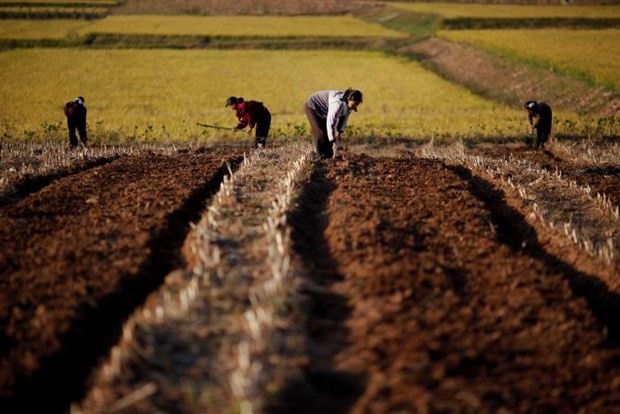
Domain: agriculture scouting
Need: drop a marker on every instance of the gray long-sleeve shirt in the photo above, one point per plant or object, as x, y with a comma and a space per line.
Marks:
329, 105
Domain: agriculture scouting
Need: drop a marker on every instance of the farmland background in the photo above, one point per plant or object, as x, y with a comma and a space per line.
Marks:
438, 263
138, 94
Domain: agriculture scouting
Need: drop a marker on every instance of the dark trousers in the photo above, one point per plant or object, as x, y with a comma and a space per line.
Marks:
322, 146
542, 134
262, 129
79, 124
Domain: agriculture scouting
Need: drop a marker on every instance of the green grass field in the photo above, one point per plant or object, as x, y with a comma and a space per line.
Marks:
159, 94
589, 54
456, 10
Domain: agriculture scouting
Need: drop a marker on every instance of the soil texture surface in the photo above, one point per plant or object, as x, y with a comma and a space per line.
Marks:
480, 279
439, 297
79, 255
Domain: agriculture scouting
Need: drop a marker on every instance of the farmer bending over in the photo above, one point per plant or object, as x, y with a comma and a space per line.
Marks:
251, 114
75, 111
328, 113
539, 117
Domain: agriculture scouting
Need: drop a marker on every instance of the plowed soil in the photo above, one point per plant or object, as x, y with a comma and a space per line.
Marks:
439, 297
78, 256
428, 290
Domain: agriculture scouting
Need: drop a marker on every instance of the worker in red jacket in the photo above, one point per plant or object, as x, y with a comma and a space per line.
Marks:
251, 114
75, 111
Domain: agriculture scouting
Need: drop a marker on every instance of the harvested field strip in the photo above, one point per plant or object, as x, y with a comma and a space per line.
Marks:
222, 330
78, 256
437, 305
567, 51
511, 82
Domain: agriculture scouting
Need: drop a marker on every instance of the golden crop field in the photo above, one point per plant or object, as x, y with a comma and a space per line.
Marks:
243, 26
159, 94
40, 29
593, 54
455, 10
254, 26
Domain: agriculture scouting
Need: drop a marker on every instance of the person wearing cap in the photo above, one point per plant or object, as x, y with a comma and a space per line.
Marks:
75, 111
328, 113
251, 114
539, 116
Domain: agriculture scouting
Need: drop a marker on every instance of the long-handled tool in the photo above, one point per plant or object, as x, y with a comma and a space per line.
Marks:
213, 126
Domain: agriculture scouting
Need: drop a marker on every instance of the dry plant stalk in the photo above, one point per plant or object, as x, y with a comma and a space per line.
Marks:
227, 270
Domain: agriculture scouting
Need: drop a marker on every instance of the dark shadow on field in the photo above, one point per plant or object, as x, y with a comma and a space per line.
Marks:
320, 388
513, 230
32, 184
63, 377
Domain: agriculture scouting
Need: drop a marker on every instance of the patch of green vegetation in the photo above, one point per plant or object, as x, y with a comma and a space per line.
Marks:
418, 25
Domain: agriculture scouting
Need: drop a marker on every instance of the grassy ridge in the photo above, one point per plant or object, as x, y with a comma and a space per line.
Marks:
590, 54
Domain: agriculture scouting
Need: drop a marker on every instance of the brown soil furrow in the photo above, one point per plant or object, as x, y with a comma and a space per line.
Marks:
217, 334
78, 256
434, 296
33, 183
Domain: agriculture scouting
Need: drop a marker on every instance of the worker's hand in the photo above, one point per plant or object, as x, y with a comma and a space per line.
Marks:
532, 131
335, 148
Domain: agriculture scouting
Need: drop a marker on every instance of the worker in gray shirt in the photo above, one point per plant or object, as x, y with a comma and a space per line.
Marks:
328, 113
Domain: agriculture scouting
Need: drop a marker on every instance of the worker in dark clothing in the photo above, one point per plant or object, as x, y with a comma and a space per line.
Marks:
252, 114
75, 111
539, 116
